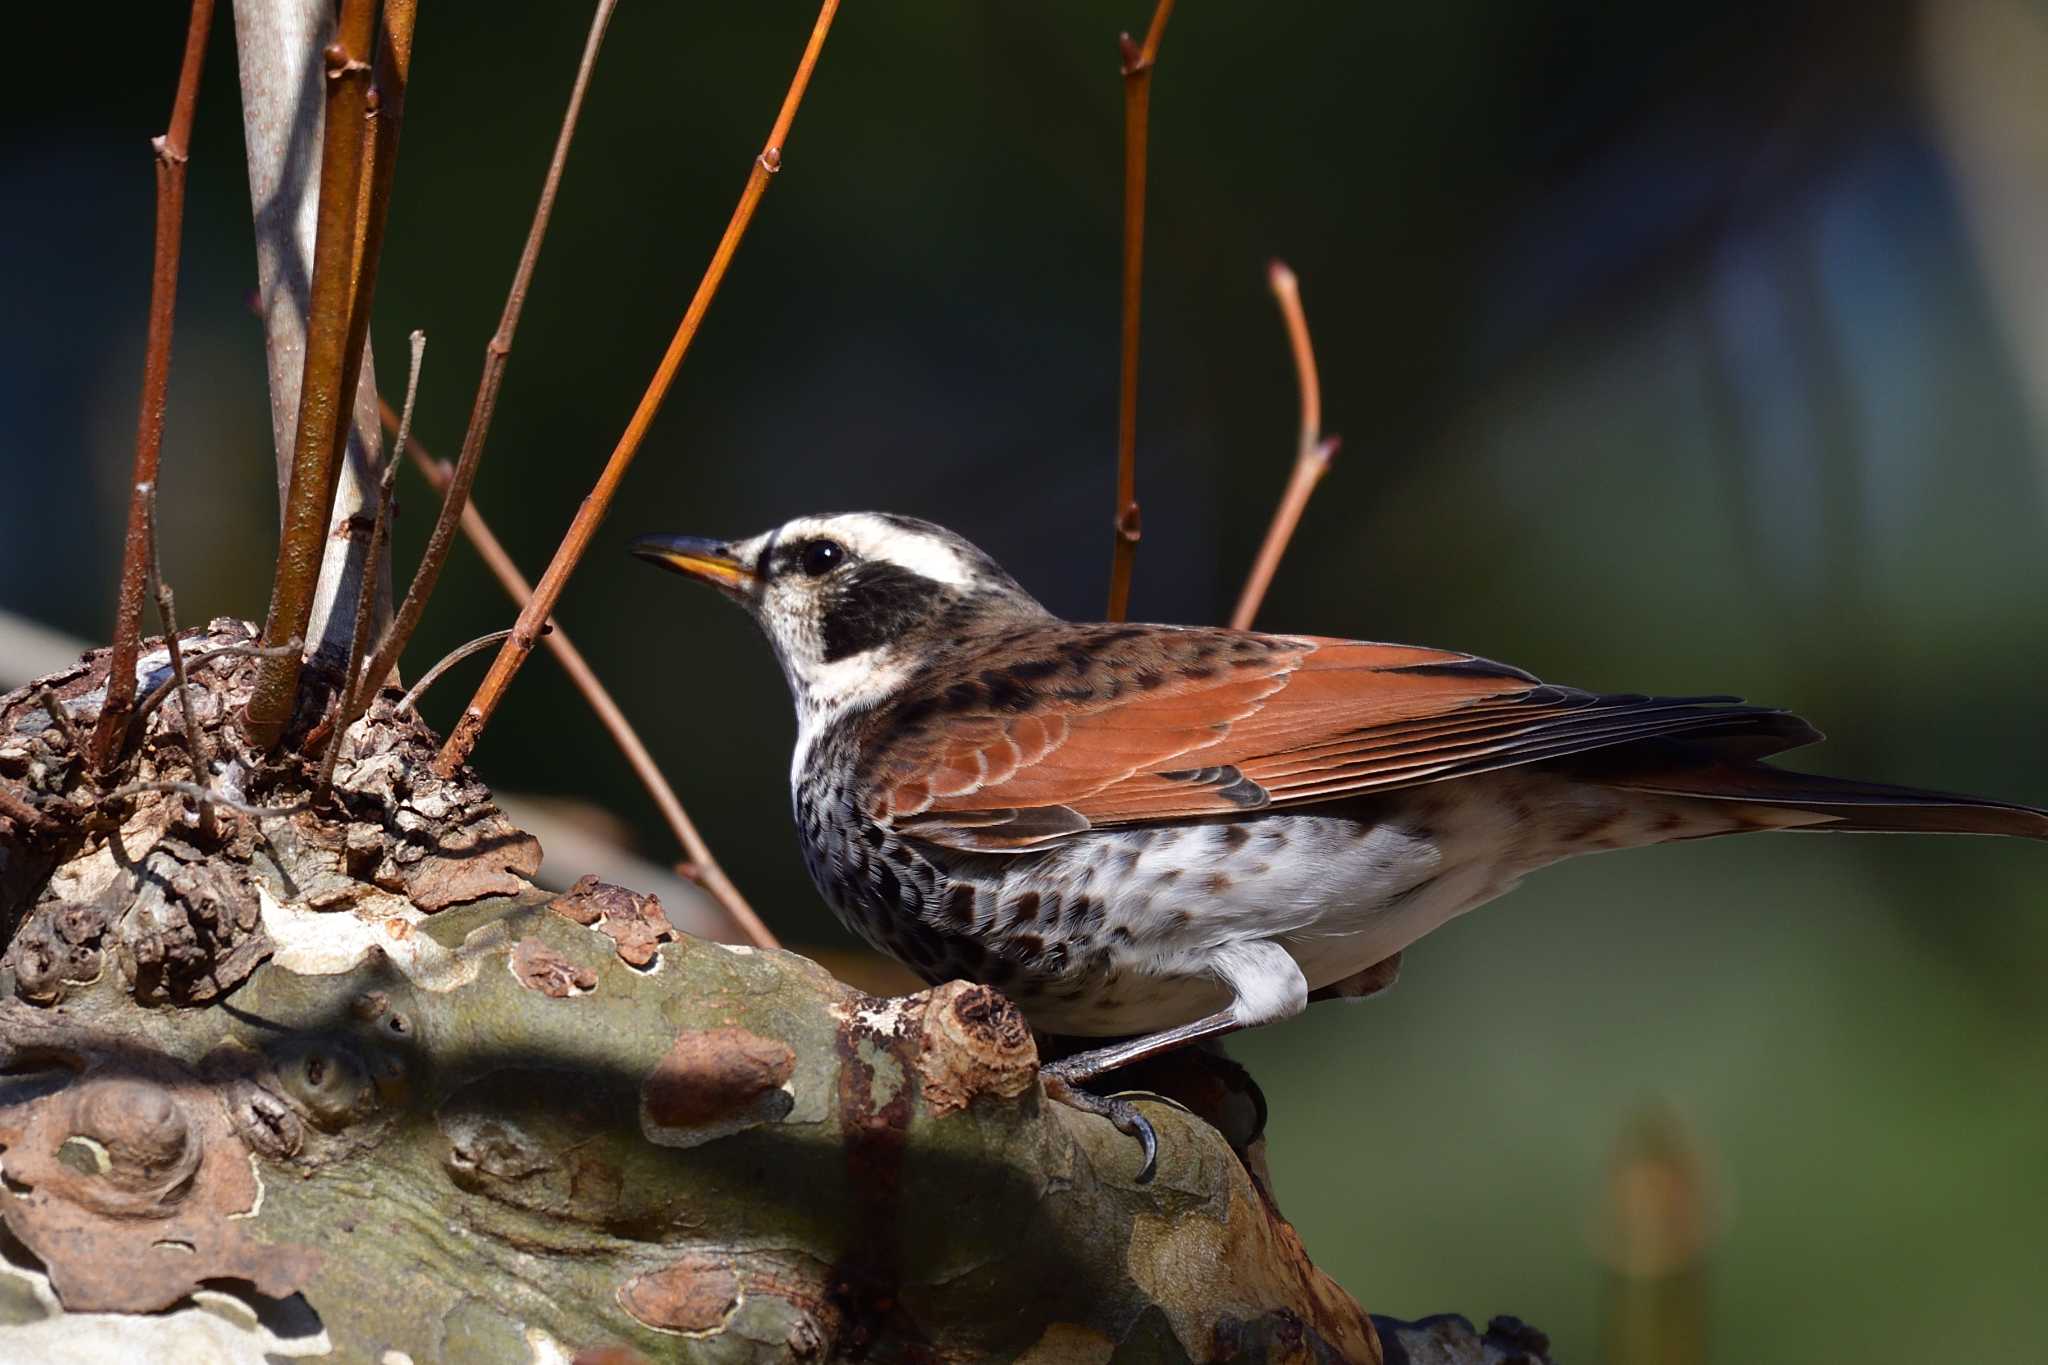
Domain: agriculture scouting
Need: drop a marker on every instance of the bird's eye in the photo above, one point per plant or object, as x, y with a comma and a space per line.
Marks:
822, 557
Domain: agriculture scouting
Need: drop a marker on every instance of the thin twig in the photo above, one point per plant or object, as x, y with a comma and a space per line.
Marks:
355, 687
1137, 65
167, 615
323, 404
492, 691
1312, 452
411, 700
170, 154
199, 661
18, 810
705, 869
207, 797
60, 716
496, 352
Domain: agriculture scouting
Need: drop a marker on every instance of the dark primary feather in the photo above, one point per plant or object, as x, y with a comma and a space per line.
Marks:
1856, 807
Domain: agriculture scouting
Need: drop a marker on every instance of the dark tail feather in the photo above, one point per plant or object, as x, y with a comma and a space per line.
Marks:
1856, 807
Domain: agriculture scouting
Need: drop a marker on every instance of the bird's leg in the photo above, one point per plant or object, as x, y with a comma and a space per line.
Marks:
1265, 984
1086, 1066
1063, 1078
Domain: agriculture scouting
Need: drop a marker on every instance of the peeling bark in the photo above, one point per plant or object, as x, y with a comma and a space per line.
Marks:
282, 1096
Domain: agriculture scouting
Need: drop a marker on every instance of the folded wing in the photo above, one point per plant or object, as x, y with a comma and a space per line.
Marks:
1061, 731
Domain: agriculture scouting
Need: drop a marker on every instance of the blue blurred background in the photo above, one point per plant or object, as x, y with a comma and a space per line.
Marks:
1675, 348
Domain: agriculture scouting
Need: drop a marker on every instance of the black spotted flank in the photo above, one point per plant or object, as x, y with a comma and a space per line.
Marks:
873, 603
1466, 668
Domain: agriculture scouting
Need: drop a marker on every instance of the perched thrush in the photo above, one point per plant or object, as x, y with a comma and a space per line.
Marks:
1164, 834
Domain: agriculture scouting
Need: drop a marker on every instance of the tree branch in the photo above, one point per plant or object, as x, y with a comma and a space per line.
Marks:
1137, 72
708, 873
1312, 452
323, 402
496, 352
520, 644
170, 150
278, 46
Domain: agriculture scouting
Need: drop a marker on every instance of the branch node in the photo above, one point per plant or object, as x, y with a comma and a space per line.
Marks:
770, 159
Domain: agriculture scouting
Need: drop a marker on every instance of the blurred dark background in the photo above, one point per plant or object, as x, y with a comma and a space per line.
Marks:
1675, 348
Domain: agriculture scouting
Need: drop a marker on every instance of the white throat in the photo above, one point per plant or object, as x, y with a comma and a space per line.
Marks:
830, 691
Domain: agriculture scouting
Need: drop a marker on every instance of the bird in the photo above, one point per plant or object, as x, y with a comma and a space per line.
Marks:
1160, 834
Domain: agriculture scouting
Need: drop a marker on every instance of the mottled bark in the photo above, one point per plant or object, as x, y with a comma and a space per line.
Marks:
345, 1082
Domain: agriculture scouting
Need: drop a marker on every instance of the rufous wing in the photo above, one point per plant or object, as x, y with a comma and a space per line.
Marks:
1086, 727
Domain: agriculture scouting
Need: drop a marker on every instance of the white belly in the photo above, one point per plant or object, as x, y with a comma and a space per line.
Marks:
1338, 888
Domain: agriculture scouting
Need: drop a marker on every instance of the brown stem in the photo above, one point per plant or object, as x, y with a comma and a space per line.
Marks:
1137, 66
167, 615
323, 402
170, 153
1312, 450
355, 690
60, 716
383, 119
520, 644
704, 868
496, 351
411, 700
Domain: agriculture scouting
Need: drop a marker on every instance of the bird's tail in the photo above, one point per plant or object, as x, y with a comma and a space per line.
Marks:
1758, 796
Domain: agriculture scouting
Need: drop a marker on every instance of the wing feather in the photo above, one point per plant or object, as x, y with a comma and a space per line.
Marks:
1154, 724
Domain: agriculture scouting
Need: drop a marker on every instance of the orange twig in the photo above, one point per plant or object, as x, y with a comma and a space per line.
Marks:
496, 352
156, 374
1137, 65
705, 870
323, 405
1312, 451
478, 713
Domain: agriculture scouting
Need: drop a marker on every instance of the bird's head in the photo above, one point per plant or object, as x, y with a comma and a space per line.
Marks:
852, 602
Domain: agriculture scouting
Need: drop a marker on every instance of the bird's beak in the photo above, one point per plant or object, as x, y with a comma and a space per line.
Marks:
709, 561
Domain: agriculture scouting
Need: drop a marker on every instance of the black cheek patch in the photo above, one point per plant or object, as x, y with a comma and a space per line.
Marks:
873, 604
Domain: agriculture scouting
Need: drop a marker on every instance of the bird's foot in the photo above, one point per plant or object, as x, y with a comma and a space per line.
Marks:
1116, 1109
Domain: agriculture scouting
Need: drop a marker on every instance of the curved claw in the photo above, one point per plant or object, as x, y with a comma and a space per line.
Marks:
1119, 1111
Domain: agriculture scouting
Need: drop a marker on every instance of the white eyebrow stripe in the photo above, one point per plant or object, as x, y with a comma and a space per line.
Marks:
874, 538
